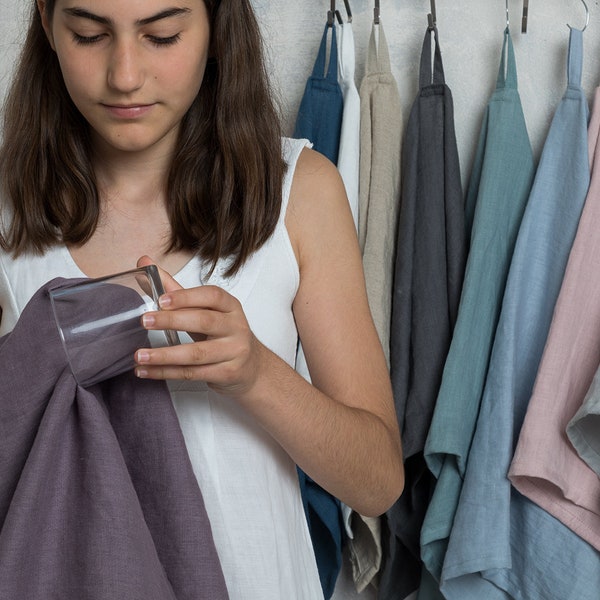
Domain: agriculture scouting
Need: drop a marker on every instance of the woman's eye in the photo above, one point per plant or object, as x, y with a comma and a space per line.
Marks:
85, 39
164, 41
154, 39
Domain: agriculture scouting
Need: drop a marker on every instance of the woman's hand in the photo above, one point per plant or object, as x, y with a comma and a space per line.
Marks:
225, 354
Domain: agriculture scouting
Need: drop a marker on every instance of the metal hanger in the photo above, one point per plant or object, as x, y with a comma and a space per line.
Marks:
507, 20
348, 10
431, 18
587, 16
332, 14
376, 13
525, 15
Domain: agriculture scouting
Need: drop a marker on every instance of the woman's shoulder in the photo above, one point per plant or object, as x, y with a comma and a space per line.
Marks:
318, 211
317, 184
312, 181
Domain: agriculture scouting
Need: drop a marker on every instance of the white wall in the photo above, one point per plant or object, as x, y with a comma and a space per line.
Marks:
11, 25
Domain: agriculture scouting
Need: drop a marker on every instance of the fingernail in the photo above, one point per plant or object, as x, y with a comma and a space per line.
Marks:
141, 373
142, 356
148, 320
164, 301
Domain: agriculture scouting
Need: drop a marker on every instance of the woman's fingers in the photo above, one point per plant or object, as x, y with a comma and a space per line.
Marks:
205, 297
205, 311
218, 362
197, 353
224, 353
169, 283
207, 322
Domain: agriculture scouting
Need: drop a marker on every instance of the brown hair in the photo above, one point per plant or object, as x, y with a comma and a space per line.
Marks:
225, 180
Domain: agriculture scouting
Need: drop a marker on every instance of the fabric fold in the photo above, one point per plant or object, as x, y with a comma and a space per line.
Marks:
583, 429
348, 163
320, 120
429, 269
545, 467
500, 540
495, 203
98, 499
378, 206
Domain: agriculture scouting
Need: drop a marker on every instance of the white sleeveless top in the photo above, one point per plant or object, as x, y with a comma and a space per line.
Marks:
249, 484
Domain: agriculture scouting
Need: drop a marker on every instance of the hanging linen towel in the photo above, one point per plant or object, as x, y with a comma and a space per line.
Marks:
584, 428
319, 117
98, 498
325, 523
429, 270
497, 195
349, 151
379, 188
492, 544
320, 120
379, 196
546, 468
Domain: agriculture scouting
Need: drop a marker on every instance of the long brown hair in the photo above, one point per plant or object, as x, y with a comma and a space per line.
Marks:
224, 184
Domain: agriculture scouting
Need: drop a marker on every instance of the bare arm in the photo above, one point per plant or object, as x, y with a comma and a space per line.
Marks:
342, 349
342, 430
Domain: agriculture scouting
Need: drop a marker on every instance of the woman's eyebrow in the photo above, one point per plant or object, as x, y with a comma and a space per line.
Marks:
82, 13
164, 14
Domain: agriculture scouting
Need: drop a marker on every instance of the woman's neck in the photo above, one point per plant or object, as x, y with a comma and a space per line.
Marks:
134, 219
132, 176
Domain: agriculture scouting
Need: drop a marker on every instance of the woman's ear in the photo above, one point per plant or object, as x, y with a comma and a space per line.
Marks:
41, 5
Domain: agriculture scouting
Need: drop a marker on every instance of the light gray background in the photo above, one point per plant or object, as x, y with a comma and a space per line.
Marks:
471, 39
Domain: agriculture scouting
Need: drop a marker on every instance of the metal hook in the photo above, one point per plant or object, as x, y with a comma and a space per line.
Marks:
525, 15
376, 13
348, 10
587, 17
331, 14
431, 18
507, 20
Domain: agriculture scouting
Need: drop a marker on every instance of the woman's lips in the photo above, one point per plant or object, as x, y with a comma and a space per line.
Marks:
129, 111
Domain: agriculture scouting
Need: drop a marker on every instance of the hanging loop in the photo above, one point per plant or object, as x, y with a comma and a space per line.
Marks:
376, 13
507, 20
431, 18
587, 16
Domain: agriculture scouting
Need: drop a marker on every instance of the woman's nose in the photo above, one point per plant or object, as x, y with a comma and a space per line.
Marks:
125, 69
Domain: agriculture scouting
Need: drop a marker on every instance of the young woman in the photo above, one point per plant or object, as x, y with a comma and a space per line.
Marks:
141, 131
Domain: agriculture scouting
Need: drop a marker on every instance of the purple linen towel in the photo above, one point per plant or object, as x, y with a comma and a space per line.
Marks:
98, 499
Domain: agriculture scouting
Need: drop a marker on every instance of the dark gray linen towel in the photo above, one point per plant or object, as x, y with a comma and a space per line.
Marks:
429, 270
98, 500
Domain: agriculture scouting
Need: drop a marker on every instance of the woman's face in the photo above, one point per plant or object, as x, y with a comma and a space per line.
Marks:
132, 67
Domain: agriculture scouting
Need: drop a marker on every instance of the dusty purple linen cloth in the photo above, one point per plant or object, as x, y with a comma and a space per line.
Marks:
98, 500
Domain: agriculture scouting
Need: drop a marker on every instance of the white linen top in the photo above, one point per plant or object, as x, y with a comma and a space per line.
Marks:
249, 483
